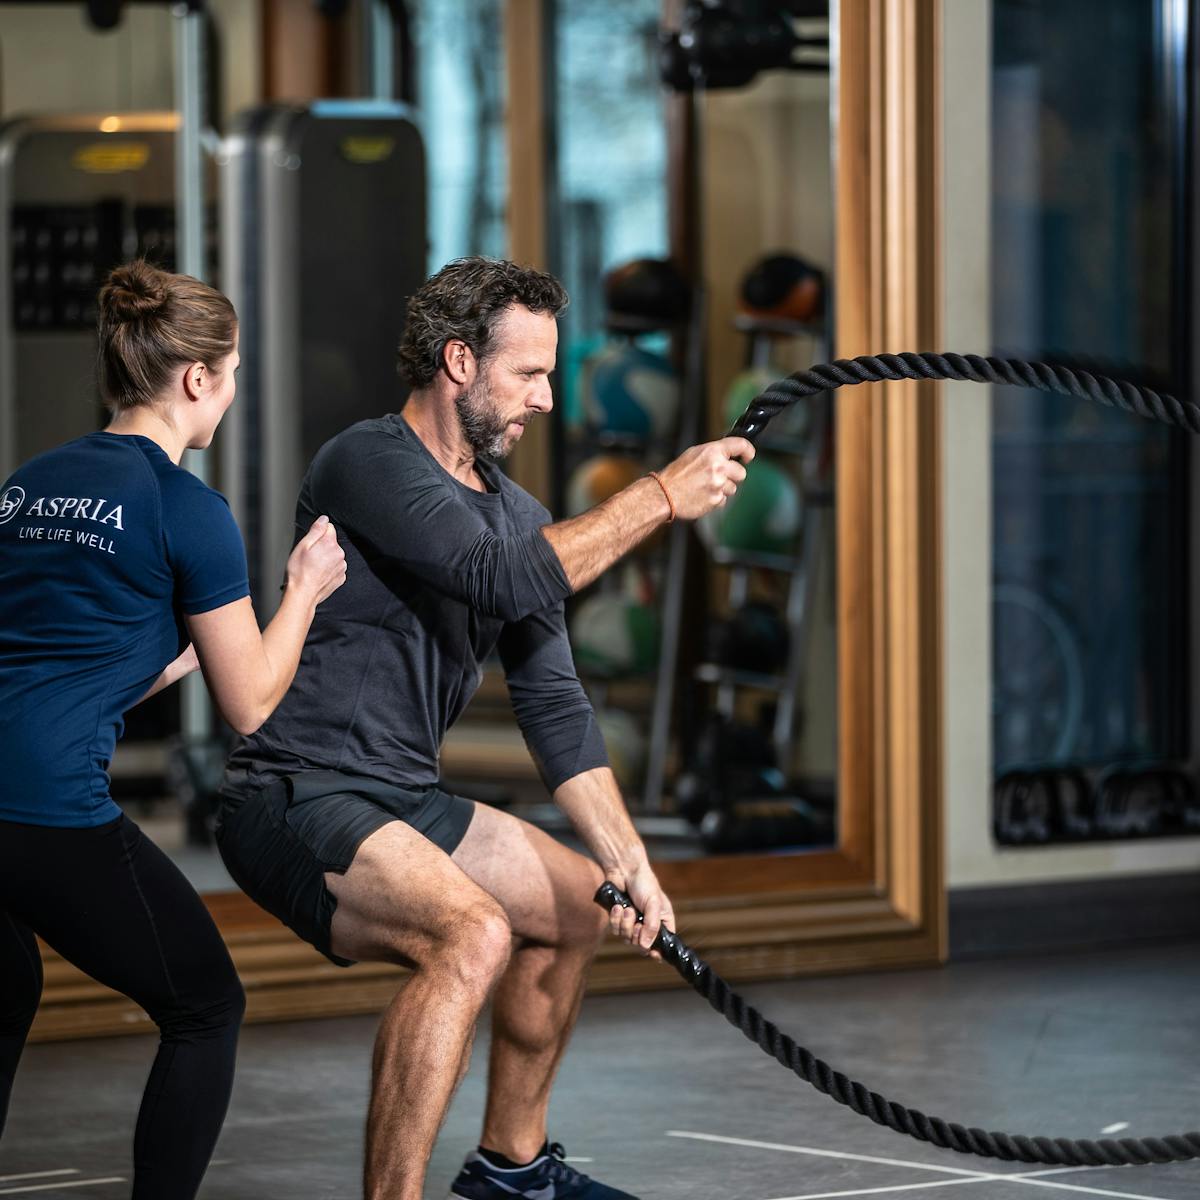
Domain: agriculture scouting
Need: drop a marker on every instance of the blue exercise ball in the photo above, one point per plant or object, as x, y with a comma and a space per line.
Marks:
629, 391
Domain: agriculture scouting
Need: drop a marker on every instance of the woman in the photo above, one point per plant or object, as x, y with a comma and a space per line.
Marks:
111, 558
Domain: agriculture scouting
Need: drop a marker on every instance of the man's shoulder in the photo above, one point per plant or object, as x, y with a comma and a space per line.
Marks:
369, 442
526, 507
386, 430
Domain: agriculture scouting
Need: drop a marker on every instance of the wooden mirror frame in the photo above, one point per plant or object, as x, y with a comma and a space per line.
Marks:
879, 898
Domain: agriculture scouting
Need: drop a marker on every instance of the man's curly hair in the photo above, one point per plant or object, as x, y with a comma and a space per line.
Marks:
465, 301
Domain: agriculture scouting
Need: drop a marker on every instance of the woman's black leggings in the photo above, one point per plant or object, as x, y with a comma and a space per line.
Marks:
109, 901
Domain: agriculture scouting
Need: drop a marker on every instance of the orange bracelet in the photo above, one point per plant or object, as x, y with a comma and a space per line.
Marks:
670, 503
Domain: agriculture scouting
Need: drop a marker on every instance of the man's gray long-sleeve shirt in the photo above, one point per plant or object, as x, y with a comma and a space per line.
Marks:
438, 575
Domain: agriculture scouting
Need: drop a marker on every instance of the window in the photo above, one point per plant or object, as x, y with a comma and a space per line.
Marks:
1088, 552
461, 93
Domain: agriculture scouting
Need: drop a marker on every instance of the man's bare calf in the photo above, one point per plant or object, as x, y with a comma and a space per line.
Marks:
404, 901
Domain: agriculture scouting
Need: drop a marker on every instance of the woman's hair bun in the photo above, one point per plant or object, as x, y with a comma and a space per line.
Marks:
134, 291
150, 324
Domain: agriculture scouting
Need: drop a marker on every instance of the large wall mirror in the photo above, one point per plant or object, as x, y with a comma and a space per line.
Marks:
790, 789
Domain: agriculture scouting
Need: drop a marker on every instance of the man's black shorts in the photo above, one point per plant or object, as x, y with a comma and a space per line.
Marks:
278, 837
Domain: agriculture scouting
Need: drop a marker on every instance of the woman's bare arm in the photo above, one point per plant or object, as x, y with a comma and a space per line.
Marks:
248, 671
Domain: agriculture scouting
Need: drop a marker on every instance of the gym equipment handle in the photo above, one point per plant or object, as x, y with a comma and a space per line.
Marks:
670, 945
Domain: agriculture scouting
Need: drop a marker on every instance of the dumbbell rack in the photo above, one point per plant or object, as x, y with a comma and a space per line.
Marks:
817, 495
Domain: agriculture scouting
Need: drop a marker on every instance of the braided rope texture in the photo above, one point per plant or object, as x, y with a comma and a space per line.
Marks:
875, 368
1056, 1152
1115, 393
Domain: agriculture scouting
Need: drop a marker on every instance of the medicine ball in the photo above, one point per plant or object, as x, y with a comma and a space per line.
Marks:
783, 287
615, 633
629, 391
625, 739
748, 385
598, 478
763, 516
754, 638
649, 292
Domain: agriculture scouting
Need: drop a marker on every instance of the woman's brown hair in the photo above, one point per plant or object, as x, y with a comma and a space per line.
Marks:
152, 323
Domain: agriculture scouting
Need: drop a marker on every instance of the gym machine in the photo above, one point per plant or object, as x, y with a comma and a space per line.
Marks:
323, 242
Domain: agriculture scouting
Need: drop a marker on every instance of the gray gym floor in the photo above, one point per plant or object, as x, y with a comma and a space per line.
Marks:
662, 1098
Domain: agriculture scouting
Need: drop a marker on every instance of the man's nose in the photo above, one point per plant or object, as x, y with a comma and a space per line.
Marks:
543, 399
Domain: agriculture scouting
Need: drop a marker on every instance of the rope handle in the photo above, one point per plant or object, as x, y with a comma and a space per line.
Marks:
1010, 1147
670, 945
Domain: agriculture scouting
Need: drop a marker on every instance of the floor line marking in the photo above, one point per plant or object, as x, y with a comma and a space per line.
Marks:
1116, 1127
1078, 1187
74, 1183
870, 1158
1052, 1171
1029, 1179
896, 1187
981, 1177
39, 1174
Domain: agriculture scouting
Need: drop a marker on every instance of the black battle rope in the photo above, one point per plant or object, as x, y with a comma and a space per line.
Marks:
1068, 1152
1057, 1152
874, 368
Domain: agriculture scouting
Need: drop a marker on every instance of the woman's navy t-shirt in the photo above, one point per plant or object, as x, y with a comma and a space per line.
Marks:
104, 545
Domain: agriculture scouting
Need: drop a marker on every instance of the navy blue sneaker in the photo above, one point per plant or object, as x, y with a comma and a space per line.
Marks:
546, 1178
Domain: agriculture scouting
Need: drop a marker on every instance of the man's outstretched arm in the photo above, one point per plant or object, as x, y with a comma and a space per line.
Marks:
698, 481
406, 510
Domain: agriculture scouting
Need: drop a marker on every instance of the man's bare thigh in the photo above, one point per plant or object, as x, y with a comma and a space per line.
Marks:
400, 897
544, 887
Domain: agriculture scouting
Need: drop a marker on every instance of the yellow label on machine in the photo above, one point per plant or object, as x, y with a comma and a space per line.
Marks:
110, 158
364, 149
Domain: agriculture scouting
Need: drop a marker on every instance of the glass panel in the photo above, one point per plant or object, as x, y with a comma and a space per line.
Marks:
608, 207
459, 51
768, 652
610, 201
1089, 504
752, 757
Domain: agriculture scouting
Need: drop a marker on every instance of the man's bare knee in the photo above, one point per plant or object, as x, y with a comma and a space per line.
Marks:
474, 948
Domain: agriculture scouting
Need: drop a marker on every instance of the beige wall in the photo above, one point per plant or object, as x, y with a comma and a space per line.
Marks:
972, 857
240, 26
53, 60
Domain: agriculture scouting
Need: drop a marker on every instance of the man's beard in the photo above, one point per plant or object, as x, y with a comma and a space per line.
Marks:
483, 424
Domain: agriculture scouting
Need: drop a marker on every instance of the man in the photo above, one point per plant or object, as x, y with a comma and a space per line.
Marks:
332, 817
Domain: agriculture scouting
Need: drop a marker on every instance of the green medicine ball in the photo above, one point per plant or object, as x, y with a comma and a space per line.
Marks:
746, 386
625, 740
749, 384
615, 634
763, 517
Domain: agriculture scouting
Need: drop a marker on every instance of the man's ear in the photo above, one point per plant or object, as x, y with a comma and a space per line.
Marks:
458, 361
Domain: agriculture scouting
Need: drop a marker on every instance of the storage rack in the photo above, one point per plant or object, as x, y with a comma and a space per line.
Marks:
801, 568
